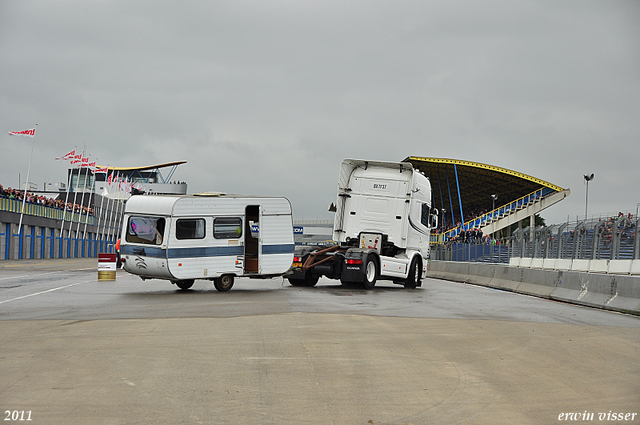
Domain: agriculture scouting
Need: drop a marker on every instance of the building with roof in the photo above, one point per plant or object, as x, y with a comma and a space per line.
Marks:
146, 179
486, 197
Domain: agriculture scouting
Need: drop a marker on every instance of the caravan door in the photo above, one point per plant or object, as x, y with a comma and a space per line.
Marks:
252, 240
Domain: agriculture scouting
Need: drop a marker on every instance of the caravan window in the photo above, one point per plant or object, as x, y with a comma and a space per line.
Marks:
227, 227
146, 230
192, 228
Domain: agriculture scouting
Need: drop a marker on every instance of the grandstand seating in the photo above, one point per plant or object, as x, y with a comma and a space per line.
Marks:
495, 220
15, 206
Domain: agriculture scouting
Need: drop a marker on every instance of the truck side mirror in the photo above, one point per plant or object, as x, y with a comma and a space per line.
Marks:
434, 218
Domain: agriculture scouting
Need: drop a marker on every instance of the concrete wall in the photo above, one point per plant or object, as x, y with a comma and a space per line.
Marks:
607, 291
623, 267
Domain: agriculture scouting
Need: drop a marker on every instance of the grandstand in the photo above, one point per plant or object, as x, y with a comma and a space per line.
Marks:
82, 223
472, 195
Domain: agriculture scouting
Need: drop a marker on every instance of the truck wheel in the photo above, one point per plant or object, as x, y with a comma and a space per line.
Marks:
415, 271
311, 280
308, 281
184, 284
370, 273
223, 283
296, 282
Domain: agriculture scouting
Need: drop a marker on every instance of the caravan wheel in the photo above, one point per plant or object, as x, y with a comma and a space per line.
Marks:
223, 283
184, 284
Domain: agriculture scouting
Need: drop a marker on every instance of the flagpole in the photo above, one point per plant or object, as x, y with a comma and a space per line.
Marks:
121, 210
84, 232
116, 221
110, 210
84, 188
64, 207
24, 195
107, 212
101, 203
75, 194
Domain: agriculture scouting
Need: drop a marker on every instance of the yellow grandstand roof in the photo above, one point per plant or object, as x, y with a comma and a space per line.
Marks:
477, 182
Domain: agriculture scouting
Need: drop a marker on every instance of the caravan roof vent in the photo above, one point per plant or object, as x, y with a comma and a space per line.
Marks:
210, 194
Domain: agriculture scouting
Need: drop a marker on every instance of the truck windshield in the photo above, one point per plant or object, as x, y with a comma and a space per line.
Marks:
145, 230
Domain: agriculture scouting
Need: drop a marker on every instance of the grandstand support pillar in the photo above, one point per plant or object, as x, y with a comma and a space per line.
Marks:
532, 221
455, 169
636, 242
11, 241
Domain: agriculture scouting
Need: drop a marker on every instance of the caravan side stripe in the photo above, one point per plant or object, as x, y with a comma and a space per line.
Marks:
147, 251
217, 251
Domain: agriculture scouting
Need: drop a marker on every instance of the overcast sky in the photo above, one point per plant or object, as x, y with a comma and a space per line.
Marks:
268, 97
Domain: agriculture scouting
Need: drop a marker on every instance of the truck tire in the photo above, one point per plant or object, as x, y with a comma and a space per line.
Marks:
311, 280
370, 273
223, 283
295, 282
415, 272
184, 284
308, 281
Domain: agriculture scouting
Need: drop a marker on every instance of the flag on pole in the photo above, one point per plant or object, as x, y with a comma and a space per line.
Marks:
75, 159
104, 170
29, 133
69, 155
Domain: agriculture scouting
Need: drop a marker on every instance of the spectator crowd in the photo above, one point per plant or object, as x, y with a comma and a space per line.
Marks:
43, 200
623, 225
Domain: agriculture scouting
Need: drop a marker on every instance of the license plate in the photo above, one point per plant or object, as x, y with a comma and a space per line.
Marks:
296, 265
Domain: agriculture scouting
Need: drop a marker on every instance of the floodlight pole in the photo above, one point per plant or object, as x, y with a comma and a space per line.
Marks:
587, 179
494, 197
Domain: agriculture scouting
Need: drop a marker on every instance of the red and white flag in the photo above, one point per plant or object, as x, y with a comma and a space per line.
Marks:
69, 155
29, 133
104, 170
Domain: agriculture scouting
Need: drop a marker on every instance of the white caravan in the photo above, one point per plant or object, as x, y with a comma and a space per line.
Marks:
207, 236
383, 223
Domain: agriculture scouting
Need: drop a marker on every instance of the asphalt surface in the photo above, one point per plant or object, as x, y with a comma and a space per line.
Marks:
74, 350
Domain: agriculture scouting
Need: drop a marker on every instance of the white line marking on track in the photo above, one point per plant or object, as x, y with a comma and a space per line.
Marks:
43, 274
44, 292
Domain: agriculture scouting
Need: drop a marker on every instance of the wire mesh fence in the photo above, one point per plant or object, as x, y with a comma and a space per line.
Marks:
615, 238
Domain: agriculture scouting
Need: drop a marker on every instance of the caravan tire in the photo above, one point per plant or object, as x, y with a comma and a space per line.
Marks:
184, 284
415, 272
223, 283
370, 273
